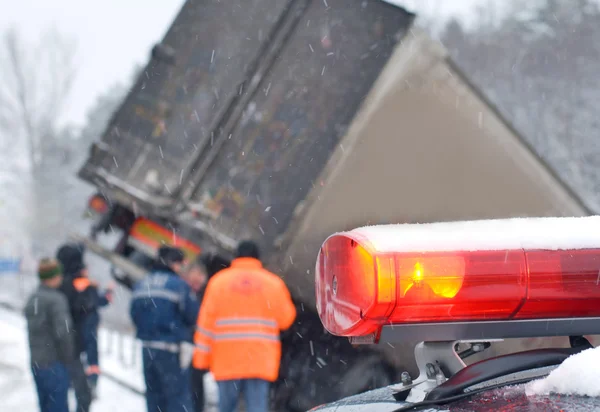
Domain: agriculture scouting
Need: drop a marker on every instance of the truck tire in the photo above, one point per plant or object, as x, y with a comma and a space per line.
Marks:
367, 374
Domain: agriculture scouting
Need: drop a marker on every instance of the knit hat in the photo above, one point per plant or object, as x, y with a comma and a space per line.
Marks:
212, 262
49, 268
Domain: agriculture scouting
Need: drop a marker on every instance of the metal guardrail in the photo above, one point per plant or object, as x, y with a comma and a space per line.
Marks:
116, 345
122, 383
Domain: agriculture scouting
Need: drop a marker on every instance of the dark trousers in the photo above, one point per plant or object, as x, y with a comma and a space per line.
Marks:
52, 384
89, 334
80, 385
167, 384
89, 343
256, 394
197, 384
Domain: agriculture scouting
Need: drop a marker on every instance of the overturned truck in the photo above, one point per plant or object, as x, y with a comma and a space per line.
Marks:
287, 120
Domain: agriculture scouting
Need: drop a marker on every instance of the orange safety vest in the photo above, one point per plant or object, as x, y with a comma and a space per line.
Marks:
82, 283
237, 336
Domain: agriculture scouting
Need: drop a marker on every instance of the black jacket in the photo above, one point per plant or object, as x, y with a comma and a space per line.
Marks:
84, 301
213, 264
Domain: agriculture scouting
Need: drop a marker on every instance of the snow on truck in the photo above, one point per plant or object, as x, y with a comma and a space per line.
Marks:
287, 120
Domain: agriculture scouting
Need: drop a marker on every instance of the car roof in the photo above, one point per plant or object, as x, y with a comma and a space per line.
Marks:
505, 398
376, 400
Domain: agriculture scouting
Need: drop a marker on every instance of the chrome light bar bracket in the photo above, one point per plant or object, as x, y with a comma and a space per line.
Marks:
437, 361
436, 355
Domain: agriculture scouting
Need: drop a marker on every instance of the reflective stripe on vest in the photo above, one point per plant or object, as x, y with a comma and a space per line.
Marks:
247, 336
166, 346
205, 332
157, 294
246, 322
201, 347
252, 329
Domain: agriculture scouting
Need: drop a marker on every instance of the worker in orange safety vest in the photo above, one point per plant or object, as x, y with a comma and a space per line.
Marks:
237, 336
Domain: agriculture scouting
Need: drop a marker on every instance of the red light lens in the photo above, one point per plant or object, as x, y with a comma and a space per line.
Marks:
359, 290
98, 204
473, 286
357, 285
562, 284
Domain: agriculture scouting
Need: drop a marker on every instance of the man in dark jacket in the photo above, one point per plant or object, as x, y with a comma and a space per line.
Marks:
204, 267
85, 300
49, 327
164, 310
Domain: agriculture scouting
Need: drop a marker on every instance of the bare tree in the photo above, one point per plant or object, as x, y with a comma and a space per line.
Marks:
35, 83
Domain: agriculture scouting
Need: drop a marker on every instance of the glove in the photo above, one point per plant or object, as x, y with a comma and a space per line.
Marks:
109, 291
186, 353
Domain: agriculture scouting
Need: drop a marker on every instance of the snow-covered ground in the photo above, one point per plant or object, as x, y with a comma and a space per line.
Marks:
121, 384
16, 381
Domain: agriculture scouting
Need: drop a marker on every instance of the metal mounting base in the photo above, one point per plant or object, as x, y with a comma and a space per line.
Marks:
470, 331
437, 361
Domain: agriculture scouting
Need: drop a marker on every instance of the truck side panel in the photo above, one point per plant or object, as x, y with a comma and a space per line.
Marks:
193, 76
296, 119
426, 147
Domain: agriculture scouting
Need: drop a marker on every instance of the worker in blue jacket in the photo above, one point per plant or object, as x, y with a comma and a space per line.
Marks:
164, 310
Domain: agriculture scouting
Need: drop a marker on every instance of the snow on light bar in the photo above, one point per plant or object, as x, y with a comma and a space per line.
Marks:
489, 270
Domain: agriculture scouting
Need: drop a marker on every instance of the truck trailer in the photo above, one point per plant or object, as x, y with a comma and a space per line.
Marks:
284, 121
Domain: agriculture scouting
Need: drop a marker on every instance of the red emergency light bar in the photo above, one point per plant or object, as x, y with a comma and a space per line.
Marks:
365, 282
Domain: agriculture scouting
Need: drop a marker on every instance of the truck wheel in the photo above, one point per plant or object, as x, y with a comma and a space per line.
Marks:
367, 374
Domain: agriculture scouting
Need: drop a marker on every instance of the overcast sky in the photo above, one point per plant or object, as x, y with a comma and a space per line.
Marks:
114, 35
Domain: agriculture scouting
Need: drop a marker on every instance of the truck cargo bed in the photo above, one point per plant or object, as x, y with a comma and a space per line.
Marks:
296, 118
192, 78
242, 115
